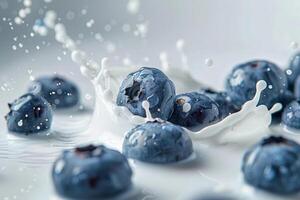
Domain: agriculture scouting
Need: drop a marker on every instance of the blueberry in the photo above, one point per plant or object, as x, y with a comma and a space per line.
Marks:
225, 105
285, 99
273, 165
149, 84
297, 88
241, 82
157, 142
58, 91
91, 172
291, 115
293, 70
195, 110
29, 114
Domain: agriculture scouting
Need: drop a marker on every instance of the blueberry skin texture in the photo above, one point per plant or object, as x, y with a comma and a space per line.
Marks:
149, 84
157, 142
91, 172
241, 82
195, 110
273, 165
285, 99
29, 114
58, 91
291, 115
225, 105
293, 70
297, 88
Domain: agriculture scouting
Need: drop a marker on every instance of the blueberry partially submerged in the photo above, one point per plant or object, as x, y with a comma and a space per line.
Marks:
29, 114
195, 110
225, 105
91, 172
241, 82
291, 115
273, 165
149, 84
58, 91
157, 142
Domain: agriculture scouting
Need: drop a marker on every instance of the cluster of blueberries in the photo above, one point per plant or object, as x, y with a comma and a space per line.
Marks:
96, 171
32, 112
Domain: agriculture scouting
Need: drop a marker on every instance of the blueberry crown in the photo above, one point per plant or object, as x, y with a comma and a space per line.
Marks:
85, 149
133, 92
274, 140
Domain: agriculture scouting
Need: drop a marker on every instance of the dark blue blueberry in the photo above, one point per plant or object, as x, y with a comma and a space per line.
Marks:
157, 142
297, 88
29, 114
195, 110
58, 91
147, 84
285, 99
241, 82
293, 70
291, 115
273, 165
91, 172
225, 105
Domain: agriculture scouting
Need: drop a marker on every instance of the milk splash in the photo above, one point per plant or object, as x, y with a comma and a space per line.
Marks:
252, 118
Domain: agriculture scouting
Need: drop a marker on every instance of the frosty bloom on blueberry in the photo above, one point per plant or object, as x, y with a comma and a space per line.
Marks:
29, 114
195, 110
241, 82
91, 172
157, 142
147, 84
273, 165
58, 91
291, 115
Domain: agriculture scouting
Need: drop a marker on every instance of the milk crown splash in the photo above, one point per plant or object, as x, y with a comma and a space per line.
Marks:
106, 81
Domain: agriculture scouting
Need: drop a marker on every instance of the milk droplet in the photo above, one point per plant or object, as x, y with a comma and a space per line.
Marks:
133, 6
289, 72
90, 23
209, 62
186, 107
180, 44
88, 97
294, 45
18, 20
126, 28
20, 123
107, 27
99, 37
